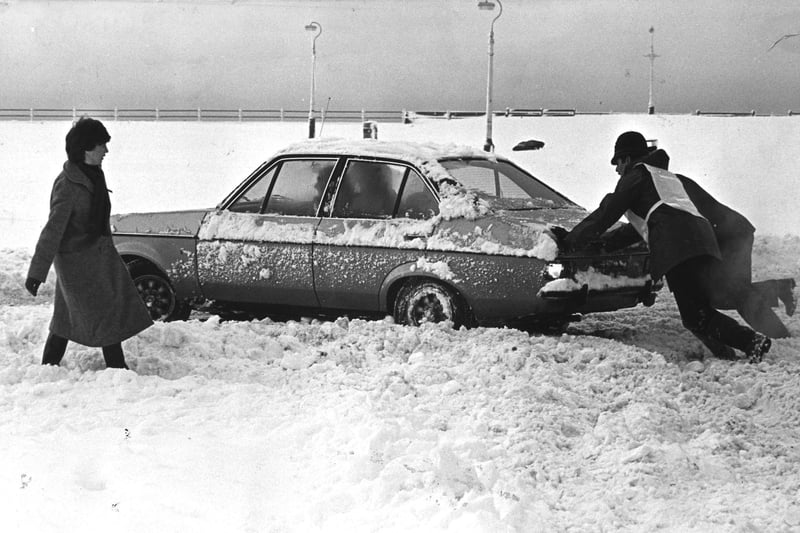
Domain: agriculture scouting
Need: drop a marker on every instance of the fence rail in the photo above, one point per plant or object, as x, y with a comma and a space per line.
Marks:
253, 115
238, 115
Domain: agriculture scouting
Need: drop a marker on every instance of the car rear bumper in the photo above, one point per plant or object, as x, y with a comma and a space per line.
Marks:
584, 300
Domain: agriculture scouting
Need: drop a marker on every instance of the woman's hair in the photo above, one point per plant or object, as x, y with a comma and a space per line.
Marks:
84, 136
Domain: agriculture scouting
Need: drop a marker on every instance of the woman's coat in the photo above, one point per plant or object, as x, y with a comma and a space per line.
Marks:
96, 303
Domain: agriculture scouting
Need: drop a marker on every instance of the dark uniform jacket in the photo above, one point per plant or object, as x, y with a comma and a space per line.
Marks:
674, 235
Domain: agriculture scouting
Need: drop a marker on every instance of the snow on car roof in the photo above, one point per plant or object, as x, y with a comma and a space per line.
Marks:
406, 150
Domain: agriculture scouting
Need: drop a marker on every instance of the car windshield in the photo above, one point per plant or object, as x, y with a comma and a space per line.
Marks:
505, 185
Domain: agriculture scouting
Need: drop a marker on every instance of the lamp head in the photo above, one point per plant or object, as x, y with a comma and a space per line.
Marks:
486, 5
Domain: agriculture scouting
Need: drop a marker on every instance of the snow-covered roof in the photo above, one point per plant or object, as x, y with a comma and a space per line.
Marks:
424, 155
405, 150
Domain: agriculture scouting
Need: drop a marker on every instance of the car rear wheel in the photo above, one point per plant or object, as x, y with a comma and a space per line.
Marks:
422, 301
157, 293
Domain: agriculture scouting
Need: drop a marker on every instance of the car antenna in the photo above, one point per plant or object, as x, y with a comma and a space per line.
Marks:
322, 124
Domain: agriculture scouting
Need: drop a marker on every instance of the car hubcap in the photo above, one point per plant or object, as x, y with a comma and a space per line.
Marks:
431, 306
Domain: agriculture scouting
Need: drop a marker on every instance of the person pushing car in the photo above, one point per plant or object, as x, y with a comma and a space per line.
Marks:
683, 245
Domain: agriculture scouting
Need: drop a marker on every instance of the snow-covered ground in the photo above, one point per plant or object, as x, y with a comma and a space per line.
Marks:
353, 425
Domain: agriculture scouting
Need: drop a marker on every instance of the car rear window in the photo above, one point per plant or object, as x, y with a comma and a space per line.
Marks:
505, 182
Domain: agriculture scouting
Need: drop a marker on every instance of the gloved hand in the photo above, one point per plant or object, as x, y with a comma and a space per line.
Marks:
559, 234
32, 285
596, 246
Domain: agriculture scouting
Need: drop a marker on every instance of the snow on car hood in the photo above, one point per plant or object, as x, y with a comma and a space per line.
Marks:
178, 223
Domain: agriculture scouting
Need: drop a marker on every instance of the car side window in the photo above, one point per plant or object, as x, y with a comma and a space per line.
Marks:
416, 201
368, 189
253, 198
299, 186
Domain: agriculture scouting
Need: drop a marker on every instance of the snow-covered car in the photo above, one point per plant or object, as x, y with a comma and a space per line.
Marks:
421, 232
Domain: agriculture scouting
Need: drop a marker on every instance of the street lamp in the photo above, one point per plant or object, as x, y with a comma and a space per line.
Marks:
651, 109
487, 5
316, 27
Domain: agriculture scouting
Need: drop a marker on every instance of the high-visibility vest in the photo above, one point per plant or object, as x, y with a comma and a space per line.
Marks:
670, 191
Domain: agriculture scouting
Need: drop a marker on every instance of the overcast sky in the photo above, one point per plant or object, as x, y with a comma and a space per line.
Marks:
392, 54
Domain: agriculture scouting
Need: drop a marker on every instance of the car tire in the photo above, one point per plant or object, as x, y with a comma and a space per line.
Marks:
421, 301
157, 293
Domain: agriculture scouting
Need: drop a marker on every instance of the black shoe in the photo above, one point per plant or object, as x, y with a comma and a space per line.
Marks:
726, 353
718, 350
759, 346
786, 295
694, 356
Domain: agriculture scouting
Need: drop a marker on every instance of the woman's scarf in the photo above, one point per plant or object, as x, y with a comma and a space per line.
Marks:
101, 203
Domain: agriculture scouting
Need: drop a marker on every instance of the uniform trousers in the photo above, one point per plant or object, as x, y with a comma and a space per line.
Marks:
691, 284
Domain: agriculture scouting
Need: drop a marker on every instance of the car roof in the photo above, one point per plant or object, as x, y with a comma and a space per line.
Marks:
414, 152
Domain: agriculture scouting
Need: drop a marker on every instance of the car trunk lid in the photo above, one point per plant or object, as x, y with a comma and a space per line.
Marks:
173, 223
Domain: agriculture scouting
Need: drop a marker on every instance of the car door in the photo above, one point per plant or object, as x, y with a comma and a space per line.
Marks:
379, 220
257, 248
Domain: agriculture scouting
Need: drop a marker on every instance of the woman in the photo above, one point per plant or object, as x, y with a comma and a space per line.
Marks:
96, 303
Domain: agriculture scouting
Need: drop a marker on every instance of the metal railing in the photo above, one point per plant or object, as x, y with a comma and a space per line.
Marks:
280, 114
198, 114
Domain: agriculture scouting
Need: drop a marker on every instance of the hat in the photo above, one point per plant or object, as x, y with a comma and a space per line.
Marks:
630, 143
85, 135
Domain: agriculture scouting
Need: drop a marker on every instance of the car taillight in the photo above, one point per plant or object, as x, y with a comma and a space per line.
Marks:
554, 270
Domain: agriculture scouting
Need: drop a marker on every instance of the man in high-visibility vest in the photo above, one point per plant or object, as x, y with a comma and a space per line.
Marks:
682, 242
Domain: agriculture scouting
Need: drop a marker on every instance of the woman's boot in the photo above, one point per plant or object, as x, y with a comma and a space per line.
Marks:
114, 356
54, 349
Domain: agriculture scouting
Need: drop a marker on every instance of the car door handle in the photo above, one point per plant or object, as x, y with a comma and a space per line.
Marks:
414, 236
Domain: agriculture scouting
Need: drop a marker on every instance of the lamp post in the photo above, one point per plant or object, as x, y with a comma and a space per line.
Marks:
652, 55
316, 27
488, 5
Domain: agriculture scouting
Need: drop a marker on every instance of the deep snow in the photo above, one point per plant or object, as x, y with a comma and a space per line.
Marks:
353, 425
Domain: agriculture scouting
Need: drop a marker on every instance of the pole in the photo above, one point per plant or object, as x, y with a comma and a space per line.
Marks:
317, 28
651, 109
488, 145
311, 123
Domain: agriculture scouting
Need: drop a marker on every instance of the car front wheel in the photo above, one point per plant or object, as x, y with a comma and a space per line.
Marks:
423, 301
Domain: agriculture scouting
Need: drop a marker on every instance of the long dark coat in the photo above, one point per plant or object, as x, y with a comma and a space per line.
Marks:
734, 235
96, 303
674, 235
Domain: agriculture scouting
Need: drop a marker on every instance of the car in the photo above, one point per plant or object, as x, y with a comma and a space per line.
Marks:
422, 232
